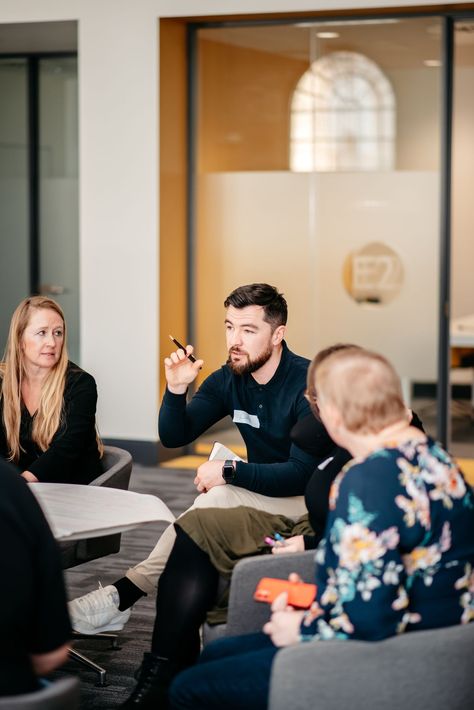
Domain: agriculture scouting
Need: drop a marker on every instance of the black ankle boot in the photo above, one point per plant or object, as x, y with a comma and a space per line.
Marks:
151, 690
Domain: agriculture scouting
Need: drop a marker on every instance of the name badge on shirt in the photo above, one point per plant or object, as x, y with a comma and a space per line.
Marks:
241, 417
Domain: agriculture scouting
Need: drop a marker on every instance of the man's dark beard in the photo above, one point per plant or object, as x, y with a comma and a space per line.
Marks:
250, 366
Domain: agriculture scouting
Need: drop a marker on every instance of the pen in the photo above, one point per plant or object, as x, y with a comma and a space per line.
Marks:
269, 541
181, 347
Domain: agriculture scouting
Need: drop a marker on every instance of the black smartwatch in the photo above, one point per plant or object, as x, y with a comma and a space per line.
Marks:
228, 471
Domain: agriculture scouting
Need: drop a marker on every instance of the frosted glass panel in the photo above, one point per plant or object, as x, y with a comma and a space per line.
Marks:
14, 240
462, 283
241, 205
59, 219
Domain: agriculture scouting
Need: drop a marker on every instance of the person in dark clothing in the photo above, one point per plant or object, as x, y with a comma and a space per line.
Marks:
310, 435
261, 387
209, 543
34, 624
47, 404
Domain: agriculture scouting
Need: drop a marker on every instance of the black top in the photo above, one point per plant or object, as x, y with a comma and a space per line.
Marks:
264, 415
73, 455
310, 435
33, 612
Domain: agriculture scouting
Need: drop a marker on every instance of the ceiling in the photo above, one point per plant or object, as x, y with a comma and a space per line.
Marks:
392, 44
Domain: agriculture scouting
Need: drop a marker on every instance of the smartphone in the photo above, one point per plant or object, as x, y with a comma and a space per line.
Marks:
300, 595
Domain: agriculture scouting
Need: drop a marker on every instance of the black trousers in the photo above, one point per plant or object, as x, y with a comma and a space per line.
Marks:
186, 591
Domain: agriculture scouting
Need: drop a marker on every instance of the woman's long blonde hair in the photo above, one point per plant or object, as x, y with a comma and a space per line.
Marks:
12, 371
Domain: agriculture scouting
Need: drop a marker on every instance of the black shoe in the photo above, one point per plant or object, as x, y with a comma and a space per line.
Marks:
151, 690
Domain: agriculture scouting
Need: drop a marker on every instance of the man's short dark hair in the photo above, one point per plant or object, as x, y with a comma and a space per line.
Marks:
273, 303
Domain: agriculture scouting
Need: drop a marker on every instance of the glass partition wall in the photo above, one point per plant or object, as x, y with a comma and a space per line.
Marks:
318, 170
39, 222
59, 189
462, 253
14, 234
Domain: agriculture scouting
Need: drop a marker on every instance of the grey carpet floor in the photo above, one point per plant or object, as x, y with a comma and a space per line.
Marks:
176, 489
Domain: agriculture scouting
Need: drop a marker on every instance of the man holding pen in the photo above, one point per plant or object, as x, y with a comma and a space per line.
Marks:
262, 388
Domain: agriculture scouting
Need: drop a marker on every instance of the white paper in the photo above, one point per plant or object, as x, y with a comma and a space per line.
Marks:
462, 332
75, 511
222, 453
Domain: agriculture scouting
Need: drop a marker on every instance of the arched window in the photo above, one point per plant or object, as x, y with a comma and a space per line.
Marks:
342, 116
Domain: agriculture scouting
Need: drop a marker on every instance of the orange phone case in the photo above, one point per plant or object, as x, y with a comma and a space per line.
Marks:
299, 594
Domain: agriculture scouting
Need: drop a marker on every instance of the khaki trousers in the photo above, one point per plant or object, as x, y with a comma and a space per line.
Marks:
145, 575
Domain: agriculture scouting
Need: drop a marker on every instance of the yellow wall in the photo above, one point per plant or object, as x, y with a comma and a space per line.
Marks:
173, 260
244, 107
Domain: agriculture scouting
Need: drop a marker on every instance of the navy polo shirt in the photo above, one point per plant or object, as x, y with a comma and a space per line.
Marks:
264, 415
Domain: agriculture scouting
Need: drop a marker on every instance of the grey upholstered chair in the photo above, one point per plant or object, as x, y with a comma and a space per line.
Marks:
422, 670
62, 694
117, 464
425, 670
246, 575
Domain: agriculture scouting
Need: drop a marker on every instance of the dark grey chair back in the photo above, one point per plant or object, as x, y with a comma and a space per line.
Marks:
117, 464
62, 694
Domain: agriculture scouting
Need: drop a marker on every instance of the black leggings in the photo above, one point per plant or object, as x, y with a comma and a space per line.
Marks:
186, 591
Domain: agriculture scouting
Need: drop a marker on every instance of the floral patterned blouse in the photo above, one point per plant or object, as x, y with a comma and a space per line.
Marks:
399, 548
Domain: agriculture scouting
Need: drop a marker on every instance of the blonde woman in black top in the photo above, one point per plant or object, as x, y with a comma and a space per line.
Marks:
47, 404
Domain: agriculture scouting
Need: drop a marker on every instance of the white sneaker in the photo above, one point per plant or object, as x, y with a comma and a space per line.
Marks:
98, 611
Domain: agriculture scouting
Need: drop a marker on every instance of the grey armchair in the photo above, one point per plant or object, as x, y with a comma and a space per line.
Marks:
246, 615
117, 465
424, 670
62, 694
427, 670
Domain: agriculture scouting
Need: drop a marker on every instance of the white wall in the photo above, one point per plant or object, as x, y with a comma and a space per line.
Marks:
118, 124
118, 214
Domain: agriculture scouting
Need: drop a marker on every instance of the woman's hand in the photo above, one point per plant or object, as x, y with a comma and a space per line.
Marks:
284, 625
291, 544
30, 477
44, 663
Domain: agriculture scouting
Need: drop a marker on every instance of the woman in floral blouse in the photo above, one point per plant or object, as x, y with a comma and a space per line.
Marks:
398, 553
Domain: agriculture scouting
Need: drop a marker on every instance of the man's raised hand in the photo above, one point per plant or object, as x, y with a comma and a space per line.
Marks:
180, 371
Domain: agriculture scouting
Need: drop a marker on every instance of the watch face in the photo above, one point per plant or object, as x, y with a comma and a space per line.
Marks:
228, 471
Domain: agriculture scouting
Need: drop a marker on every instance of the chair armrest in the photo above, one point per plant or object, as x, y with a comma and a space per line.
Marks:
118, 465
306, 672
246, 615
425, 669
58, 694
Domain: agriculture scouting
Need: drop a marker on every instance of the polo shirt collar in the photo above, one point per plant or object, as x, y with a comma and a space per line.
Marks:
280, 372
